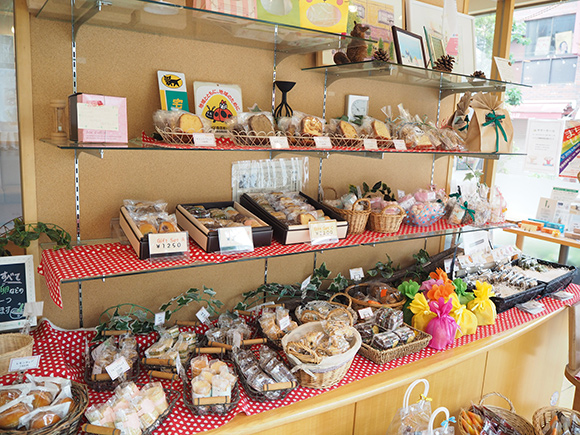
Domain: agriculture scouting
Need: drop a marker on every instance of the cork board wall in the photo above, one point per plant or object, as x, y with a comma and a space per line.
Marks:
124, 63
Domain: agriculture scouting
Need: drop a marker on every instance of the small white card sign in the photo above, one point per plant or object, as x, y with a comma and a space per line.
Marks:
24, 363
202, 315
322, 232
33, 309
159, 318
235, 239
322, 142
356, 274
279, 142
365, 313
204, 139
504, 69
305, 283
400, 144
284, 322
161, 244
93, 117
370, 144
117, 368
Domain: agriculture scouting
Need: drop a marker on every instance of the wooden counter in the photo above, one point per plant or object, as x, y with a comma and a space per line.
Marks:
525, 363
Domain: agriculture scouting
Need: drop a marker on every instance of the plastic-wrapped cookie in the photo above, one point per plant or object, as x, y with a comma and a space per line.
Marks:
347, 130
261, 125
380, 130
311, 126
189, 123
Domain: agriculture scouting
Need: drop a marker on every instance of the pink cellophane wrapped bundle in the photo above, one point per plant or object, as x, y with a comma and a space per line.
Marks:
443, 327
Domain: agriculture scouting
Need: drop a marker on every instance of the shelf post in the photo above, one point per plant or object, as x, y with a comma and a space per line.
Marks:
324, 96
274, 70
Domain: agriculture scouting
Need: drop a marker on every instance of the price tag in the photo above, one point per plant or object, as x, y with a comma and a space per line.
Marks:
400, 193
400, 144
365, 313
33, 309
161, 244
370, 144
235, 239
204, 139
202, 315
117, 368
237, 339
24, 363
178, 365
356, 274
305, 283
447, 264
159, 318
284, 322
279, 142
322, 142
322, 232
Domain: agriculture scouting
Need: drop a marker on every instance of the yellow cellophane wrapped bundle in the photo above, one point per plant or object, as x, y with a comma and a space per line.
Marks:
466, 320
482, 306
422, 312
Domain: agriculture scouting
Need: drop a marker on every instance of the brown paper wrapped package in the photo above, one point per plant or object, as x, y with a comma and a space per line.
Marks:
484, 133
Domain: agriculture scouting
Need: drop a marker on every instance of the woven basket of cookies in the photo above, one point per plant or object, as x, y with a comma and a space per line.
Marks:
301, 129
321, 352
375, 295
316, 311
178, 127
344, 134
355, 211
252, 129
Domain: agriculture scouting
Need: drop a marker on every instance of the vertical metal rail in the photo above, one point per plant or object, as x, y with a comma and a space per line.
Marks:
320, 191
324, 96
274, 70
439, 99
266, 271
433, 170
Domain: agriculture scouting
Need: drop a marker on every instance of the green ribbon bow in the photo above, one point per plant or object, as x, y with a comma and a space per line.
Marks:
470, 211
455, 195
466, 126
493, 118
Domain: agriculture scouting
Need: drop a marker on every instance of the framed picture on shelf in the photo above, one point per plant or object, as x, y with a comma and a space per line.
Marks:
409, 48
435, 47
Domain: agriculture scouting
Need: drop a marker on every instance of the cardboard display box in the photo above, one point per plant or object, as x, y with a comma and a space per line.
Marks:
208, 240
292, 234
97, 118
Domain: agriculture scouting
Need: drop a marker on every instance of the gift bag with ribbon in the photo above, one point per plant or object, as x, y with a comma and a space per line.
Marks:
445, 429
443, 327
490, 128
465, 319
412, 418
482, 306
422, 312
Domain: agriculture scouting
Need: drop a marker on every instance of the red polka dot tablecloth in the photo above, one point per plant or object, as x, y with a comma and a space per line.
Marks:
62, 355
96, 261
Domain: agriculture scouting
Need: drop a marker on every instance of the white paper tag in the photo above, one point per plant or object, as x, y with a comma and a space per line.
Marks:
93, 117
370, 144
322, 142
365, 313
400, 144
447, 264
24, 363
237, 339
305, 283
202, 315
33, 309
178, 365
159, 318
279, 142
322, 232
284, 322
400, 193
235, 239
117, 368
168, 243
204, 139
357, 274
562, 295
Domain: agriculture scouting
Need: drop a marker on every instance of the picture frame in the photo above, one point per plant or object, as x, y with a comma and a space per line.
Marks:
409, 48
435, 47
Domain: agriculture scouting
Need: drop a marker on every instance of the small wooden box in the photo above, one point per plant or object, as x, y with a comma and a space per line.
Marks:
208, 240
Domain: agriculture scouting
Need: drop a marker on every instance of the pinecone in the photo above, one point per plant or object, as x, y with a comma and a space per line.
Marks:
381, 55
478, 74
444, 63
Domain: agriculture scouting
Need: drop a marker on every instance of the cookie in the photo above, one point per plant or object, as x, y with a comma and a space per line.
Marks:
261, 125
311, 126
189, 123
347, 130
380, 130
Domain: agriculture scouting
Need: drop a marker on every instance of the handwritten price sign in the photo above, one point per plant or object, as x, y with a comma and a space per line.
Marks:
168, 244
323, 232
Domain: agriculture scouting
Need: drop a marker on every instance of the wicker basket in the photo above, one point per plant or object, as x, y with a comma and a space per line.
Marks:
520, 424
330, 371
308, 315
13, 346
359, 304
67, 426
421, 341
386, 223
107, 384
357, 220
543, 416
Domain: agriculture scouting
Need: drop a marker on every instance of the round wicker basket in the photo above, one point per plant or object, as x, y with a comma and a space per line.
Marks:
359, 303
13, 346
386, 223
543, 416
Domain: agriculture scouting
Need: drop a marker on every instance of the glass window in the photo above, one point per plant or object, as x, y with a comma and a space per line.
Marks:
550, 36
10, 190
536, 72
563, 70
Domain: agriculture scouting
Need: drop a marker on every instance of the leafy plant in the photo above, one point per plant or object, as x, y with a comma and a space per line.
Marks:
125, 317
206, 295
22, 234
384, 270
473, 173
378, 187
357, 119
514, 96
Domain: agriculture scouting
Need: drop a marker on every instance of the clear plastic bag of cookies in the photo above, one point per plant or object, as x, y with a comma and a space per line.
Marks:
252, 124
44, 416
139, 207
375, 129
343, 133
301, 127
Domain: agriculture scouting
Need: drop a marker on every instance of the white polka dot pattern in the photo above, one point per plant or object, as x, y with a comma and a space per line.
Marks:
62, 356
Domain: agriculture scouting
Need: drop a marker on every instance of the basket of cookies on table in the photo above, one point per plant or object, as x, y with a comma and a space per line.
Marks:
351, 208
178, 127
252, 129
375, 295
301, 128
315, 311
263, 373
172, 345
344, 134
320, 353
372, 128
133, 409
42, 406
385, 337
233, 330
99, 356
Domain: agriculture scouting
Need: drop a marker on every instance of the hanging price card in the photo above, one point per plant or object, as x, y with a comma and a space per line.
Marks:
161, 244
370, 144
365, 313
400, 145
322, 232
279, 142
284, 322
159, 318
117, 368
305, 283
235, 239
24, 363
202, 315
322, 142
204, 139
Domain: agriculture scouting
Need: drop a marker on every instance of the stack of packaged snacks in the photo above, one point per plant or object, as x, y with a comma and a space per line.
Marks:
151, 216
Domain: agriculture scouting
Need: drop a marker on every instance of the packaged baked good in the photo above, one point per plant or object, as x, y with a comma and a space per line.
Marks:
127, 421
45, 416
177, 122
156, 350
220, 387
385, 340
200, 388
154, 391
11, 412
406, 334
375, 129
343, 133
198, 364
389, 318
